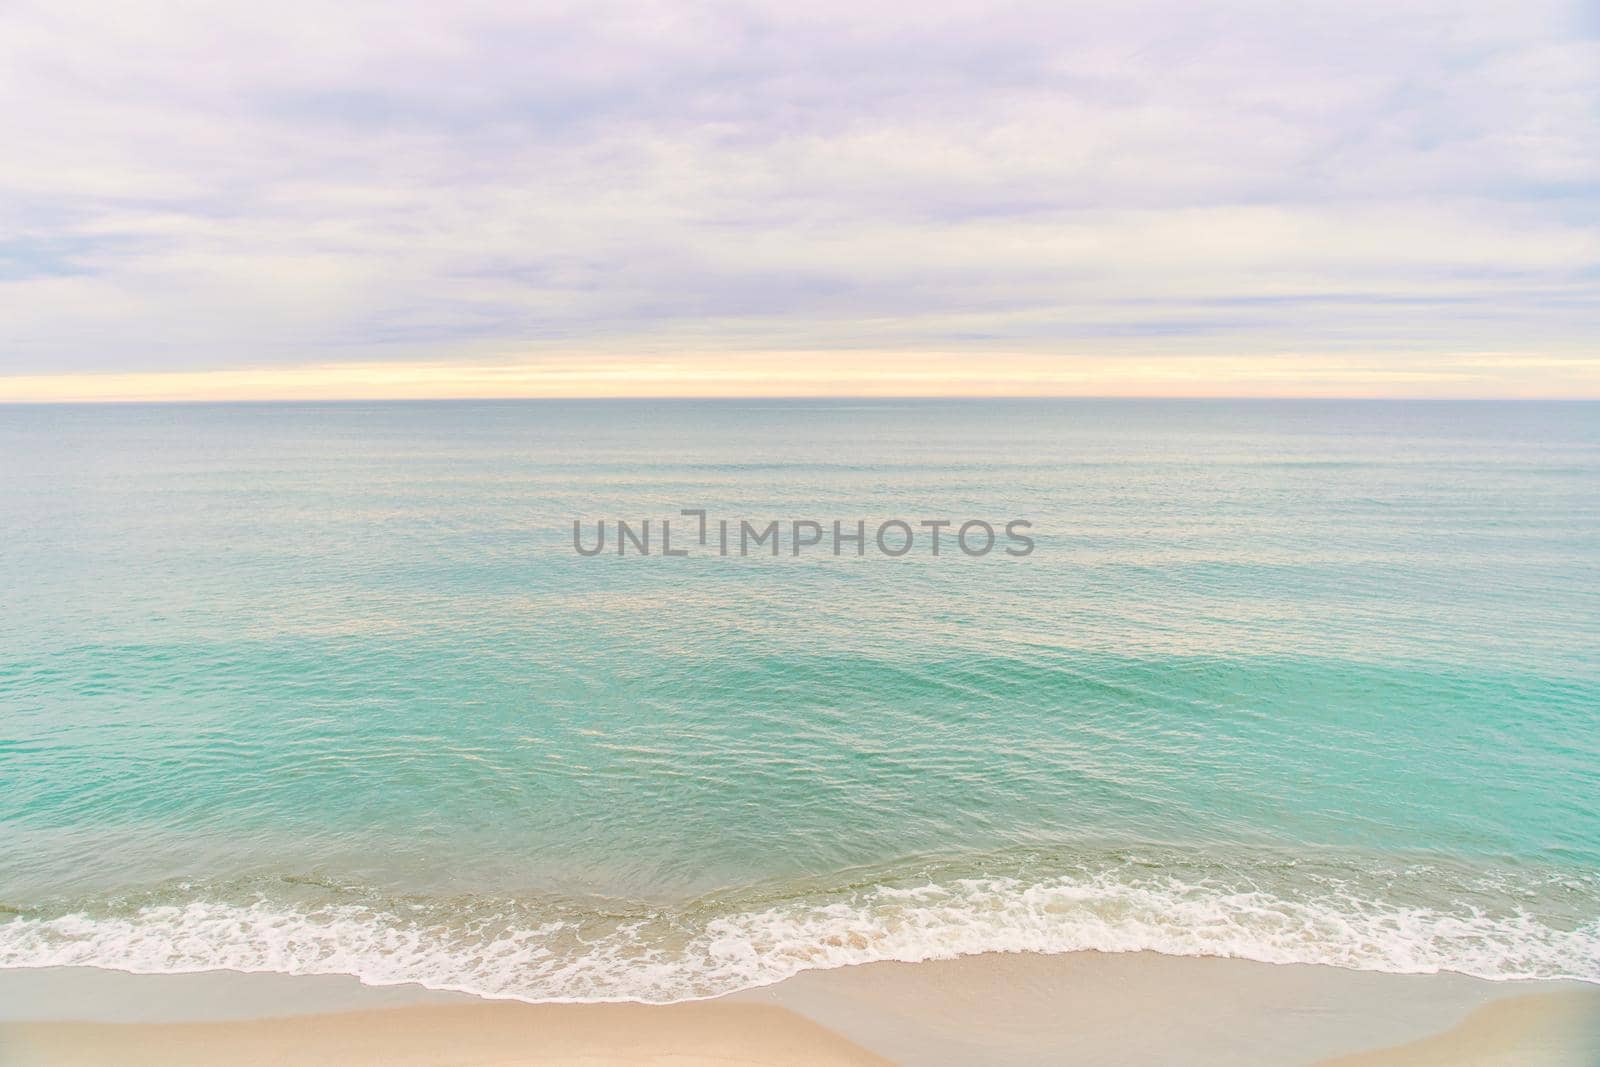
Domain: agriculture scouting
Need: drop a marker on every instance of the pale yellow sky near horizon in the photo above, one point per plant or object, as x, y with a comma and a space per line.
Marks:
846, 373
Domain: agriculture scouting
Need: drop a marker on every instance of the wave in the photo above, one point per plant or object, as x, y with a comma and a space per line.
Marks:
554, 949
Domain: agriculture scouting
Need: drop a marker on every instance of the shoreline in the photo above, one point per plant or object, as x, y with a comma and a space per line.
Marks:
1083, 1007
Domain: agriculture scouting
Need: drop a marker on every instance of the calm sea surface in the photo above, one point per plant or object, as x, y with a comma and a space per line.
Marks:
325, 688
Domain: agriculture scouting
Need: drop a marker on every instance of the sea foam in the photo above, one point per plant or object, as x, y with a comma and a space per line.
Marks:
504, 948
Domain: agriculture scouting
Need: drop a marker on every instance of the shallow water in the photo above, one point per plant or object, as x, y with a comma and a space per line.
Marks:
326, 688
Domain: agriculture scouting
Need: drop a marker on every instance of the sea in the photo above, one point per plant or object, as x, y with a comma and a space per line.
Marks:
335, 688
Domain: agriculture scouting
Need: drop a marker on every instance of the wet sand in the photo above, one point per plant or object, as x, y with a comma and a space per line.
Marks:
1081, 1008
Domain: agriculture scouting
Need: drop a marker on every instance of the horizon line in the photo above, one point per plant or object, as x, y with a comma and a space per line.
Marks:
736, 398
843, 373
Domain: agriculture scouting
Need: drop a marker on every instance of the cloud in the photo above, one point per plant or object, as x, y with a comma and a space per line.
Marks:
202, 188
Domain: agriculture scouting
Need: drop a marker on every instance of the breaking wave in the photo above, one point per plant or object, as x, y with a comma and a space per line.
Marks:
548, 948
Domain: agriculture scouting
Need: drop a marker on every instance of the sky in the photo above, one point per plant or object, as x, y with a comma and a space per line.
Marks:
254, 201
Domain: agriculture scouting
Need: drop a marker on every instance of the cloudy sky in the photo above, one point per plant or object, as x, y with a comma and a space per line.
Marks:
492, 198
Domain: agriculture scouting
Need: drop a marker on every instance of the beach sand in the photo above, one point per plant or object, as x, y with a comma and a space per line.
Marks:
1081, 1008
1540, 1030
484, 1033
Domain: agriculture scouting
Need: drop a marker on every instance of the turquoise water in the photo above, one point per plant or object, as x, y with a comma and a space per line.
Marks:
325, 688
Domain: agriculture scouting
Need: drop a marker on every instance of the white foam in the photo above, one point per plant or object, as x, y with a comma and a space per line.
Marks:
663, 958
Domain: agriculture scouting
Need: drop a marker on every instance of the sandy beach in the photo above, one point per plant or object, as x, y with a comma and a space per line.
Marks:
487, 1033
1084, 1008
